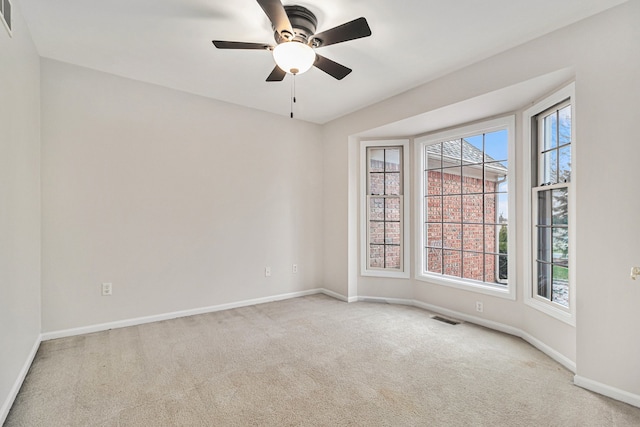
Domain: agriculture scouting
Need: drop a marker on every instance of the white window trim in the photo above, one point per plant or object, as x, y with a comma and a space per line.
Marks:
509, 291
530, 295
405, 255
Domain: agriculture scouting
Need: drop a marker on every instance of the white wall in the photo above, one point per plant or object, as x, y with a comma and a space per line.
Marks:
19, 204
178, 200
603, 56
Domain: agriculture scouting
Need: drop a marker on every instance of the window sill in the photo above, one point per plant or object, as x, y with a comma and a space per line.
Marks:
550, 309
386, 273
506, 292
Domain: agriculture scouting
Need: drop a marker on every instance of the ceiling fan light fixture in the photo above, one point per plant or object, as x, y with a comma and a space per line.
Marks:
294, 57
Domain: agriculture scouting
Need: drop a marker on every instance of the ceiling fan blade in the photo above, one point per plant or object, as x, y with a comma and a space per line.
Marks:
332, 68
221, 44
352, 30
277, 75
277, 15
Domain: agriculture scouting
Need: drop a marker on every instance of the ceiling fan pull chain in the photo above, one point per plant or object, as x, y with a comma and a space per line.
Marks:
292, 96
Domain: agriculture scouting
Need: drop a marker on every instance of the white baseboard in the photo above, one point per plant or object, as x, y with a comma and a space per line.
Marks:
6, 406
335, 295
183, 313
555, 355
606, 390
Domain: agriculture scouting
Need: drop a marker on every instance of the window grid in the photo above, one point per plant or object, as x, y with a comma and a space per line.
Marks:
478, 256
384, 208
551, 257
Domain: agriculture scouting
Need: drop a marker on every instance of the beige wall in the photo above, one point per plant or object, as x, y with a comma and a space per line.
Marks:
19, 203
602, 56
178, 200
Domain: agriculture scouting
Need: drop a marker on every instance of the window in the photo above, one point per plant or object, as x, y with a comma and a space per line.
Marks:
384, 208
5, 13
550, 136
466, 205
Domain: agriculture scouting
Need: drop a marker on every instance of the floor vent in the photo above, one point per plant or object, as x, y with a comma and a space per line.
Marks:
445, 320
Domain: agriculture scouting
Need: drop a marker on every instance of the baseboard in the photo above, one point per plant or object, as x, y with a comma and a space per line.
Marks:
183, 313
336, 295
606, 390
397, 301
555, 355
6, 406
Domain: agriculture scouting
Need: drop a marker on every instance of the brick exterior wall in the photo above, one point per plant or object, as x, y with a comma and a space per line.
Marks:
461, 226
385, 216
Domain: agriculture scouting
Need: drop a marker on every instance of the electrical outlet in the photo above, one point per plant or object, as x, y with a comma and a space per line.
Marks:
479, 307
294, 268
267, 271
107, 289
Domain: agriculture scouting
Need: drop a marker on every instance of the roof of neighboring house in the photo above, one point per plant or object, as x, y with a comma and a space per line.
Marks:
455, 152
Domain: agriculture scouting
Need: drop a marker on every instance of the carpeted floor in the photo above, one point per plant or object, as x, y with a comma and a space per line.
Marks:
311, 361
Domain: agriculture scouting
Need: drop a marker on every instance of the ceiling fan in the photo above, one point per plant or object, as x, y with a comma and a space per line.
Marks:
296, 40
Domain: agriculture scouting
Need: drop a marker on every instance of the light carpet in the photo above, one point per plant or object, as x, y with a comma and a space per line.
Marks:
311, 361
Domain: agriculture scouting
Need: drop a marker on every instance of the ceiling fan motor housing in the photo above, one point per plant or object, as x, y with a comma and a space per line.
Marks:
303, 22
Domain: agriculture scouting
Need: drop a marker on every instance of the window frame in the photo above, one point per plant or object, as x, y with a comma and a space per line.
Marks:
507, 291
405, 199
532, 187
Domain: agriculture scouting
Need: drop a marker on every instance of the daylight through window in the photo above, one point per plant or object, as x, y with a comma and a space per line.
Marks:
466, 208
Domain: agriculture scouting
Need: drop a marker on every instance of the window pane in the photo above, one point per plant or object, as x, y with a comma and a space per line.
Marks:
564, 164
451, 153
544, 207
376, 232
549, 172
433, 206
392, 257
490, 269
472, 211
560, 246
491, 233
550, 131
472, 179
376, 183
452, 236
376, 208
490, 208
392, 233
452, 263
560, 209
433, 155
502, 208
434, 235
503, 239
376, 256
495, 176
560, 285
564, 125
544, 244
472, 266
452, 208
434, 260
472, 149
376, 159
451, 182
392, 209
473, 238
544, 280
433, 182
503, 268
392, 159
495, 145
392, 183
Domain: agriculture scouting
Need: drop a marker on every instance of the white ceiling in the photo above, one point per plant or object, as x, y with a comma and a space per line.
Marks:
168, 42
